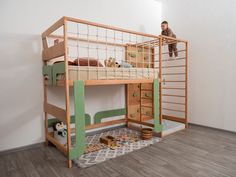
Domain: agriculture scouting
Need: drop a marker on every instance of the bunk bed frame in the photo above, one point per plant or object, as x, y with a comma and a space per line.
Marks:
154, 86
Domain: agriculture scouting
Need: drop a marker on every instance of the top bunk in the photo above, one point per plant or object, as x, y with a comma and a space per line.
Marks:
98, 54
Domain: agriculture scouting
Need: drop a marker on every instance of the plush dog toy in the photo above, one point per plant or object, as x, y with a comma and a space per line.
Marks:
111, 62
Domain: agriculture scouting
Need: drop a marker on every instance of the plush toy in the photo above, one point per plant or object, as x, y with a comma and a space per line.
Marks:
111, 62
60, 132
125, 65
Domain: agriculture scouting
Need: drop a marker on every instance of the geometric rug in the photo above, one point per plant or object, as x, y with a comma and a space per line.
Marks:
87, 160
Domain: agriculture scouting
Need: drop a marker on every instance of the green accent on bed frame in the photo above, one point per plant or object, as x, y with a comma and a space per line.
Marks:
52, 71
57, 68
110, 113
79, 147
53, 121
157, 125
47, 70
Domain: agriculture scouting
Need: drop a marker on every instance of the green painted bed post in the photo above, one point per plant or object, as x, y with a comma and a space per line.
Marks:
79, 147
157, 123
57, 68
47, 70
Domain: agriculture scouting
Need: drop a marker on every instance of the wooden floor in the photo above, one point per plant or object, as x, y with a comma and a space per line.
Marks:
196, 152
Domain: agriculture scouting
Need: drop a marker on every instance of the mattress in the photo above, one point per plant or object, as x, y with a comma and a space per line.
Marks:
106, 73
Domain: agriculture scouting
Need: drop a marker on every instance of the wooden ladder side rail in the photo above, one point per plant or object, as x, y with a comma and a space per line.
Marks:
186, 85
160, 78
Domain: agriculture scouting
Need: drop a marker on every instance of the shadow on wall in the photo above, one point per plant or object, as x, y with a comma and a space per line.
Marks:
21, 89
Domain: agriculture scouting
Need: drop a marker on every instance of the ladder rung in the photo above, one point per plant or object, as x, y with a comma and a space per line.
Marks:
173, 88
173, 95
146, 106
146, 90
172, 110
169, 102
146, 98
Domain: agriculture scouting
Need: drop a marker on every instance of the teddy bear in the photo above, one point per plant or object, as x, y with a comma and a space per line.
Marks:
111, 62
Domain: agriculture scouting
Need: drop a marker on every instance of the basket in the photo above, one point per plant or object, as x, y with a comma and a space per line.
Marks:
146, 133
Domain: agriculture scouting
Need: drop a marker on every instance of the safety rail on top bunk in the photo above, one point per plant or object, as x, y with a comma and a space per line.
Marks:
57, 51
62, 47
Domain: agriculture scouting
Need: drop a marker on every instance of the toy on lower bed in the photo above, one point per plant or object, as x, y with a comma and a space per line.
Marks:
122, 140
108, 140
94, 147
60, 132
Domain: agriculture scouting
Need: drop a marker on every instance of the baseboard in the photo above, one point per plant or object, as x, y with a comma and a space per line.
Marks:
27, 147
213, 128
37, 145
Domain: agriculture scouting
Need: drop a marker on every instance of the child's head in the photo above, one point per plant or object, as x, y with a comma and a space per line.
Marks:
164, 25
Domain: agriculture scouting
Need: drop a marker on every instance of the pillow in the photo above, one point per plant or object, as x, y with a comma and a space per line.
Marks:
125, 65
87, 62
69, 62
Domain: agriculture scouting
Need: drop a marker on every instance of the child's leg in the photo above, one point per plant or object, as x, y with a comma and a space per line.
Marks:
174, 47
170, 47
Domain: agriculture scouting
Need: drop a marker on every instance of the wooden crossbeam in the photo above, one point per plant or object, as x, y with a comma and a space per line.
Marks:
60, 146
103, 124
55, 111
113, 82
54, 27
141, 123
54, 51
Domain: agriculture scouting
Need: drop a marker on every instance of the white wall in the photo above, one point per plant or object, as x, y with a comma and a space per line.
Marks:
210, 28
21, 93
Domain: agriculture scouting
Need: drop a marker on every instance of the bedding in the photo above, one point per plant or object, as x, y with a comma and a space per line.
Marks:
83, 62
103, 73
87, 62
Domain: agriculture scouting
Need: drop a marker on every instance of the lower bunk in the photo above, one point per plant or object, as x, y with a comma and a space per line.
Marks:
82, 122
136, 132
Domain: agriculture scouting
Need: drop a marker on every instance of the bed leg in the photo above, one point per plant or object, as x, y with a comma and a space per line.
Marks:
45, 114
46, 142
127, 124
69, 163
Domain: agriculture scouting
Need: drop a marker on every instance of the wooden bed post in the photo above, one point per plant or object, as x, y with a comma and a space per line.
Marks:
67, 94
45, 89
186, 85
45, 113
127, 105
160, 79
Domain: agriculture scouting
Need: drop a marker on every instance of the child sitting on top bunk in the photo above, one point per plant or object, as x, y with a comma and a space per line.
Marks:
166, 31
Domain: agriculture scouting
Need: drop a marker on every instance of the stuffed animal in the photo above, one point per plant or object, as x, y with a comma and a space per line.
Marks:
111, 62
60, 132
125, 65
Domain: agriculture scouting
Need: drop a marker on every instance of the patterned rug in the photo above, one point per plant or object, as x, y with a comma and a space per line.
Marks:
102, 155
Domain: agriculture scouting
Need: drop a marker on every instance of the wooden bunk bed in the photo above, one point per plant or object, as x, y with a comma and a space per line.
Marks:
156, 85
